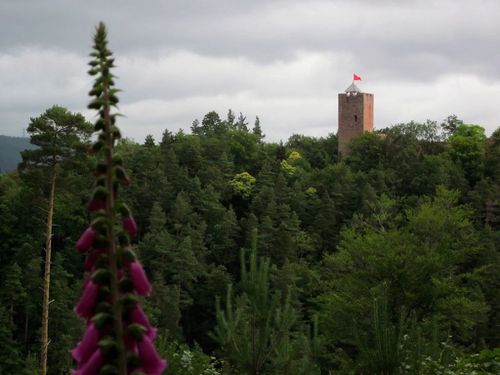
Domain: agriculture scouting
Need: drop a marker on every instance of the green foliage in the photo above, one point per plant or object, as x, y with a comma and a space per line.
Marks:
58, 134
467, 146
186, 361
10, 360
420, 258
242, 184
259, 334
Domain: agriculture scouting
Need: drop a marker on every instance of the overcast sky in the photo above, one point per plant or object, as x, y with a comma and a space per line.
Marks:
284, 61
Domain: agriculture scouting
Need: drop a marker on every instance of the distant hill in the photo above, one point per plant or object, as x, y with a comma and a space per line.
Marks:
10, 151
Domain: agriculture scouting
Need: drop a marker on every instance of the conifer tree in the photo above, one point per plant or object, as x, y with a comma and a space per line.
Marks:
257, 130
258, 330
59, 135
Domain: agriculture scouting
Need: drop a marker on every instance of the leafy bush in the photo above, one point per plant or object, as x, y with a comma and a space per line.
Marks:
183, 360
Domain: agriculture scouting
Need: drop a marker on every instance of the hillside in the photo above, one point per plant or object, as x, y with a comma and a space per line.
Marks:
10, 149
401, 236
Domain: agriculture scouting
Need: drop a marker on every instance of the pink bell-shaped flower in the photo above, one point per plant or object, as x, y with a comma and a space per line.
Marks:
86, 240
130, 225
87, 346
138, 316
141, 283
96, 204
151, 362
92, 258
92, 366
85, 307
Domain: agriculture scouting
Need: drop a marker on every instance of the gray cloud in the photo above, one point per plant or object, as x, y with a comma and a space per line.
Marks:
282, 60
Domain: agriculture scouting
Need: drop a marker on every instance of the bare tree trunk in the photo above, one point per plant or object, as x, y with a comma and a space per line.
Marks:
46, 277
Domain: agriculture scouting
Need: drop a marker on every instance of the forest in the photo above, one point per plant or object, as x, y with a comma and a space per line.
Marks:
269, 258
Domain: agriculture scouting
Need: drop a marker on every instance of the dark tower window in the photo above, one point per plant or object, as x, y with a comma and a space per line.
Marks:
355, 118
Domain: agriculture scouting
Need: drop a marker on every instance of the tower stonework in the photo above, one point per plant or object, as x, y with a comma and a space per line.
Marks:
355, 116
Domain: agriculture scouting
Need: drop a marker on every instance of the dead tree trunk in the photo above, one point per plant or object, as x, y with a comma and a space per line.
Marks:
46, 277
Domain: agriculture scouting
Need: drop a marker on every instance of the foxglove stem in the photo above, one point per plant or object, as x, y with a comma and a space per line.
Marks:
110, 213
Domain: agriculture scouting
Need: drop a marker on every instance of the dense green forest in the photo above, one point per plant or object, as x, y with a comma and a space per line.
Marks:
279, 258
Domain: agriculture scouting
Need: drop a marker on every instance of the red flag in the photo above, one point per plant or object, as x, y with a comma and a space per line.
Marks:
355, 77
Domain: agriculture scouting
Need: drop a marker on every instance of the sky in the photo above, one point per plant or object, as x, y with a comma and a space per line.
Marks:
284, 61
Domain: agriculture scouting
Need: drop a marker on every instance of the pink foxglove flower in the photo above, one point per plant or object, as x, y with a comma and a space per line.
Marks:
138, 316
130, 225
151, 362
92, 366
141, 283
92, 258
130, 344
86, 240
86, 281
96, 204
88, 345
88, 300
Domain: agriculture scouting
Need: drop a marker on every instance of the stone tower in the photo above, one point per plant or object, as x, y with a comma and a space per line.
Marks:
355, 116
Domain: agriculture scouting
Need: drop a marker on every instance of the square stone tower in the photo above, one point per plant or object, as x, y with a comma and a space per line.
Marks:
355, 116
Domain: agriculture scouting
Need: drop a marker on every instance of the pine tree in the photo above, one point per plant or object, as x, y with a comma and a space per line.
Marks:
60, 135
242, 123
257, 130
254, 328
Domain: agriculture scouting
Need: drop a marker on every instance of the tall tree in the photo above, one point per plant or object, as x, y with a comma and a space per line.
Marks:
60, 135
258, 330
467, 147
